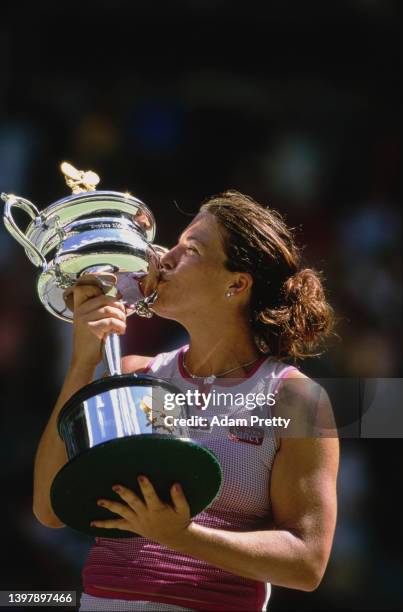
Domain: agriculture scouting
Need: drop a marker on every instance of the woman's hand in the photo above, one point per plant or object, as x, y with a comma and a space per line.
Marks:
151, 518
96, 316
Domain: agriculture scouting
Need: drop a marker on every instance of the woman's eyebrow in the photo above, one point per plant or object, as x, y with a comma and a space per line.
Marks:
193, 238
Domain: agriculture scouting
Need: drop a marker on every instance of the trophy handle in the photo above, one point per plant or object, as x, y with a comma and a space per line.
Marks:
27, 206
112, 354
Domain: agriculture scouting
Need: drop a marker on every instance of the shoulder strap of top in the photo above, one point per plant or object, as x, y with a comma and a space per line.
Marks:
279, 371
164, 364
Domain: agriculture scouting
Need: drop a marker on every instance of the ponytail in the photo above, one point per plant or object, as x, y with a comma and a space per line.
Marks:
299, 326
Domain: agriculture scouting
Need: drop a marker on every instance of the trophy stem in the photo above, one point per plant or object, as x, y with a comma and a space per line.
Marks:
112, 354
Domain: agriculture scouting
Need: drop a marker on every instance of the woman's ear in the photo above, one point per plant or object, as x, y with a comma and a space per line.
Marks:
240, 284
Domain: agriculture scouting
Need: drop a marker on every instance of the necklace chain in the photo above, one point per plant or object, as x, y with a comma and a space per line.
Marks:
212, 377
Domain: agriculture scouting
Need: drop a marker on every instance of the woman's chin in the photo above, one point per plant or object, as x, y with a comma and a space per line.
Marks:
161, 309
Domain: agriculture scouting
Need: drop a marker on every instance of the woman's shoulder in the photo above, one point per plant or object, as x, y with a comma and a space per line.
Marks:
302, 384
140, 363
308, 402
135, 363
295, 383
294, 373
281, 370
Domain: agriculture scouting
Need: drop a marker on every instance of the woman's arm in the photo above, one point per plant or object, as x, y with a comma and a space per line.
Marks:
51, 453
295, 553
95, 316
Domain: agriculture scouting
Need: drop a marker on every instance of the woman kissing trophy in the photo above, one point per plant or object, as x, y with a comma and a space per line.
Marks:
113, 428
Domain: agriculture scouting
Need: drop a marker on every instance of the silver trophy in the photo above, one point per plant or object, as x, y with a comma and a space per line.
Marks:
115, 428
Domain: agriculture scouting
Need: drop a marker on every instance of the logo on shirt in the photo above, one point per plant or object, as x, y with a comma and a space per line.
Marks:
250, 435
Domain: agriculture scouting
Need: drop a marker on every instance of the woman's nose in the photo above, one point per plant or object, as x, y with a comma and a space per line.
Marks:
167, 260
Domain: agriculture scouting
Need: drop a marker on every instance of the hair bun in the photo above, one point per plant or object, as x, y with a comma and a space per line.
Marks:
304, 286
304, 320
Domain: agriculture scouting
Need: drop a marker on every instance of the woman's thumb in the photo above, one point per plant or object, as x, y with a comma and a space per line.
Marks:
78, 294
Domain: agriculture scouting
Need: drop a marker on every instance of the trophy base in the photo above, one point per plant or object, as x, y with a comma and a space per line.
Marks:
163, 459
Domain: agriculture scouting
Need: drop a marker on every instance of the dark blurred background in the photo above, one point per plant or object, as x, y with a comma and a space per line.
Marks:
294, 103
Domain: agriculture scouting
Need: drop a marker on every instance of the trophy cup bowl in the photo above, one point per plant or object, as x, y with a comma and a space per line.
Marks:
114, 429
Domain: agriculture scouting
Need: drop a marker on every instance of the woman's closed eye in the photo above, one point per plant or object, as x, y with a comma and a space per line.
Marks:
192, 249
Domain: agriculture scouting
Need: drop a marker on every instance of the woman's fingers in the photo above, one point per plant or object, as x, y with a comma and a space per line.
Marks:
77, 295
130, 498
106, 312
150, 518
100, 302
83, 293
112, 524
87, 298
117, 508
151, 498
179, 500
104, 327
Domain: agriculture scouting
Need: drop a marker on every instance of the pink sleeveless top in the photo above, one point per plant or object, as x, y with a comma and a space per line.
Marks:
155, 573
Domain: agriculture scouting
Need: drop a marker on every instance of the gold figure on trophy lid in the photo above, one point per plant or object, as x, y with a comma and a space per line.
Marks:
78, 180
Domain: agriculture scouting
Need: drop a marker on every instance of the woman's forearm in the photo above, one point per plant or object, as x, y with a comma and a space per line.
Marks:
278, 557
51, 453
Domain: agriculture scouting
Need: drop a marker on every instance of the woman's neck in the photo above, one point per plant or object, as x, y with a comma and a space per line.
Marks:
213, 349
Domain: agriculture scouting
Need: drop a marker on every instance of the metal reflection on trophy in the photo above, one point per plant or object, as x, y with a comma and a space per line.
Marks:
112, 428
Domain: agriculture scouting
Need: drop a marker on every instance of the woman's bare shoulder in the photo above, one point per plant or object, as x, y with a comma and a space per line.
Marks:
135, 363
308, 405
295, 373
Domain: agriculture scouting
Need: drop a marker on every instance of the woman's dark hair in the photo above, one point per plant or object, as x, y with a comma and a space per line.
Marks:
289, 311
